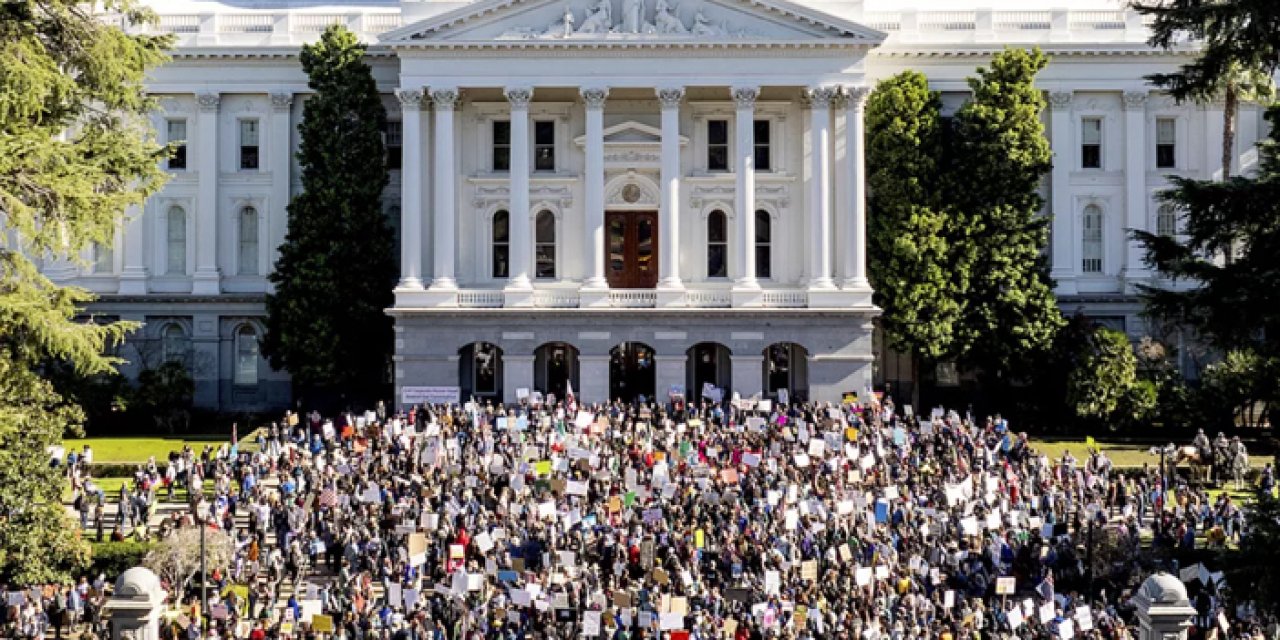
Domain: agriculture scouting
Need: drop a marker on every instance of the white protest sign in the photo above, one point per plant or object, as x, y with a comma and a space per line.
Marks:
430, 395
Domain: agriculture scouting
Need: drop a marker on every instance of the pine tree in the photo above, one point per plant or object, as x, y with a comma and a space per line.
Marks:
76, 149
911, 264
1000, 158
326, 321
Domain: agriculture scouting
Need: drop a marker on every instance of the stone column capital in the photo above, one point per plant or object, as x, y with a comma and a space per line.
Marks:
410, 99
820, 97
670, 97
280, 102
855, 96
445, 99
208, 102
1134, 100
594, 96
745, 97
1060, 100
519, 97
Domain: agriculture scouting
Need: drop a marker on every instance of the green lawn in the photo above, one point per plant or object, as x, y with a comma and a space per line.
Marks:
1122, 454
111, 487
116, 450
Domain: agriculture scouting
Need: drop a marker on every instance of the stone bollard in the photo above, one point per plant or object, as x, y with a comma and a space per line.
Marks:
136, 606
1164, 612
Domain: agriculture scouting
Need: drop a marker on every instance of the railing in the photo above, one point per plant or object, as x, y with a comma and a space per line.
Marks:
381, 22
883, 21
633, 298
709, 299
179, 23
480, 299
1105, 20
316, 22
555, 299
1022, 20
947, 21
246, 23
785, 299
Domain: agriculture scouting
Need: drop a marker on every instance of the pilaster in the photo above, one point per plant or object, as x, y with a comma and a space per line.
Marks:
207, 278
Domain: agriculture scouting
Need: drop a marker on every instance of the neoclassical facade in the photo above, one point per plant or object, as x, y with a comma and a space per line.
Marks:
625, 196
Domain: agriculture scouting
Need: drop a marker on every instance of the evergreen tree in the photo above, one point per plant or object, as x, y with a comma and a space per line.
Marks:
1104, 385
1239, 53
1001, 156
911, 264
76, 149
326, 322
1235, 303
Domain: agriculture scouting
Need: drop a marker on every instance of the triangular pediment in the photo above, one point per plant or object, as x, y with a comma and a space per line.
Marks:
632, 22
631, 133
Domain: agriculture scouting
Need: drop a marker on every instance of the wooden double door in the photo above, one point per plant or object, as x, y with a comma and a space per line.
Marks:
631, 249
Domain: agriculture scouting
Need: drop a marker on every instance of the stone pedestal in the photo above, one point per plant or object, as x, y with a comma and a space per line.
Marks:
1164, 612
135, 607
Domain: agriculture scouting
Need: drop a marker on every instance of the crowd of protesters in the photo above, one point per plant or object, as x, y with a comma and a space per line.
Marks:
743, 520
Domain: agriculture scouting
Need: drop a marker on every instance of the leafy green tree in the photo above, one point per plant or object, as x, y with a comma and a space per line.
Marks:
1241, 388
1000, 158
165, 394
911, 263
76, 149
1238, 57
1104, 385
1235, 303
326, 323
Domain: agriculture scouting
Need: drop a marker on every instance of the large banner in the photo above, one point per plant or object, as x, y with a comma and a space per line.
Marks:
430, 395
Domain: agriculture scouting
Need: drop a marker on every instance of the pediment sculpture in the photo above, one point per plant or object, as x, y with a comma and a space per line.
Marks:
600, 21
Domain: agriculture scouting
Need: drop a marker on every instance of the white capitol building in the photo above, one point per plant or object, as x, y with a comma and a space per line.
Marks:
624, 195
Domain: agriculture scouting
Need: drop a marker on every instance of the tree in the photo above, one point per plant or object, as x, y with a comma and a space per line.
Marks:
176, 559
911, 263
1001, 157
1250, 569
76, 149
1239, 53
1104, 385
326, 322
1235, 304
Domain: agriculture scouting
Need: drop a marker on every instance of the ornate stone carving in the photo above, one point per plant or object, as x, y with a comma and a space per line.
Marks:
665, 20
598, 21
280, 102
856, 96
594, 96
445, 98
1135, 99
820, 97
409, 98
1060, 100
745, 97
519, 97
208, 102
670, 97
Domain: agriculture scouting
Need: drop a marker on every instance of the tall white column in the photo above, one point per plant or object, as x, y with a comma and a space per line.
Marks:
1135, 180
206, 280
820, 193
410, 189
281, 157
594, 97
855, 229
521, 229
744, 194
133, 272
1063, 254
443, 234
669, 217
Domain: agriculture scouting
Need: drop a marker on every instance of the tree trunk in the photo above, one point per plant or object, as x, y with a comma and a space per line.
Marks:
915, 383
1230, 98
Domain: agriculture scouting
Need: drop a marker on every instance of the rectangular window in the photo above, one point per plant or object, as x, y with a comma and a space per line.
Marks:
246, 357
1166, 143
176, 132
762, 141
501, 145
395, 146
103, 258
249, 145
1091, 240
176, 242
717, 145
1091, 143
544, 145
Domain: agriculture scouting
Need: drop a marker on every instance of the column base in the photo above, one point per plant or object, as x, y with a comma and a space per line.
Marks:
821, 284
671, 283
133, 281
856, 284
410, 283
206, 283
444, 284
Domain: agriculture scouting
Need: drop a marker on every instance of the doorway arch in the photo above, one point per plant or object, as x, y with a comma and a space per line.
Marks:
632, 371
555, 367
786, 366
480, 371
708, 362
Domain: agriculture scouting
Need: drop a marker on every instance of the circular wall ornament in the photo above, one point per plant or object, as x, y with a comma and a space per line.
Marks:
631, 193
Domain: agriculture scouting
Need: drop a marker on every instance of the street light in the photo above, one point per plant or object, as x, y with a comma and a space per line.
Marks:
1165, 452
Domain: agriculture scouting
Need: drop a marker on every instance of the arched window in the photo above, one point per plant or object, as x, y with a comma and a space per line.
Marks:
175, 242
248, 265
1091, 239
544, 248
717, 245
1167, 220
246, 373
174, 344
764, 245
501, 244
104, 258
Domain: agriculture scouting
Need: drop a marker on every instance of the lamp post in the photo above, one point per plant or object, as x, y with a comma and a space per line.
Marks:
1092, 510
1166, 453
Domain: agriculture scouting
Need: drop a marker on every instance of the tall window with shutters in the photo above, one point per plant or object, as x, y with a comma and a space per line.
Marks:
544, 248
764, 244
1091, 239
717, 245
501, 228
175, 242
248, 254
